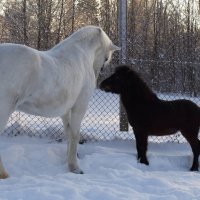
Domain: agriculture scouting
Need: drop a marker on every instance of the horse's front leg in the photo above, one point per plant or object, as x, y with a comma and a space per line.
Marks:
5, 111
72, 123
141, 145
71, 128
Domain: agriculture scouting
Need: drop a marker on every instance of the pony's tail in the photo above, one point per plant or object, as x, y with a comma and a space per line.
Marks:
199, 146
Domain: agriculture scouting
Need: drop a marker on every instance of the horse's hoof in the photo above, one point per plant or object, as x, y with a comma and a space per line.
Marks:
82, 141
4, 175
77, 171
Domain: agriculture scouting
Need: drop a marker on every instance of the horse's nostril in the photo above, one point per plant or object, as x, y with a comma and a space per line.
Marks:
102, 70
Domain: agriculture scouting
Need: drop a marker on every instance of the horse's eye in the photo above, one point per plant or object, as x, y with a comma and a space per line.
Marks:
106, 59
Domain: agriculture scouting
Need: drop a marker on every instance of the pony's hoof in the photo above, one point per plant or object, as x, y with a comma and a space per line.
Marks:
4, 175
194, 169
144, 161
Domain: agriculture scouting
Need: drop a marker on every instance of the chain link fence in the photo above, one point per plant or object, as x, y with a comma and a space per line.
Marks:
163, 45
101, 121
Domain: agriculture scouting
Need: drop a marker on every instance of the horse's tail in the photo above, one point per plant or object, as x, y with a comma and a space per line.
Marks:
199, 115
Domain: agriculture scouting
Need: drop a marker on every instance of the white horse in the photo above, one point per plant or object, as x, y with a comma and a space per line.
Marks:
57, 82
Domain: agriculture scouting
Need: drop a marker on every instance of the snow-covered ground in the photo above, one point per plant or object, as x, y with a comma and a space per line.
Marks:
38, 168
38, 171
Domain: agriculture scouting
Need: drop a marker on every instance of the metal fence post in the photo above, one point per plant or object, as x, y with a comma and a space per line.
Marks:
123, 44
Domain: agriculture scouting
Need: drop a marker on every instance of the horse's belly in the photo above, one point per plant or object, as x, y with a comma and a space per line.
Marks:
45, 110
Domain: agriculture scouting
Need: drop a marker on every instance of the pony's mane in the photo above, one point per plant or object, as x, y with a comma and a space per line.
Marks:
138, 82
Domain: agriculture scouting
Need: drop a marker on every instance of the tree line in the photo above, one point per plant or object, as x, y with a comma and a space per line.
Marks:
163, 37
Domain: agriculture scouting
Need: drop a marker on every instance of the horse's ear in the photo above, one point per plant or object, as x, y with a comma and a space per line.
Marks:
114, 47
99, 30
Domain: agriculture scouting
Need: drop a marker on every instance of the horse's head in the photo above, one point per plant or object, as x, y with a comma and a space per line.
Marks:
104, 51
117, 82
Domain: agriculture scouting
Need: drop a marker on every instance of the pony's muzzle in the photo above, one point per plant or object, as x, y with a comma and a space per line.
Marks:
104, 87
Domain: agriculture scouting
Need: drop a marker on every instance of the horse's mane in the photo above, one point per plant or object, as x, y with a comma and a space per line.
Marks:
85, 32
80, 35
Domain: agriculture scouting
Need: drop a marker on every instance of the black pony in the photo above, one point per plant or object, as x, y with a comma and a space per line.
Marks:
149, 115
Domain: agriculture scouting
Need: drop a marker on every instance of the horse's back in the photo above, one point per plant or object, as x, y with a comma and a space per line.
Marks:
14, 49
19, 69
16, 59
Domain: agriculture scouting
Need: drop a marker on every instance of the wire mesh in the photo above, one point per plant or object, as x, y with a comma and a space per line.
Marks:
101, 121
163, 45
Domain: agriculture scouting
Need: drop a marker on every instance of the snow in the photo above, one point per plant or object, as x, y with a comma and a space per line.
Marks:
38, 167
38, 170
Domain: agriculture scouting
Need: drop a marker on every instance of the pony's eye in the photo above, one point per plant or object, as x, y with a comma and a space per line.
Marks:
117, 77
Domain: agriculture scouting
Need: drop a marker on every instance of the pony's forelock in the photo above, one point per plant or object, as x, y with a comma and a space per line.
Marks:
123, 68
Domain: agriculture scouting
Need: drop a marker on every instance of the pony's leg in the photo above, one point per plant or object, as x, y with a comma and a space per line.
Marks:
192, 137
137, 145
72, 123
141, 145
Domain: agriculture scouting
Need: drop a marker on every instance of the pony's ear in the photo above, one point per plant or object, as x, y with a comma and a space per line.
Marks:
114, 48
129, 69
126, 68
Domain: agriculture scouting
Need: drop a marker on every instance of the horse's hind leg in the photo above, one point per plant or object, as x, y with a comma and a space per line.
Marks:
3, 173
5, 112
192, 137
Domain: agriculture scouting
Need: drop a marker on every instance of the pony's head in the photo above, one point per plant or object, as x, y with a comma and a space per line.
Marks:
117, 82
126, 80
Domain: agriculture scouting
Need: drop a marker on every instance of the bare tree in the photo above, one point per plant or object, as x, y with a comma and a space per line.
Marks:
44, 17
86, 13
